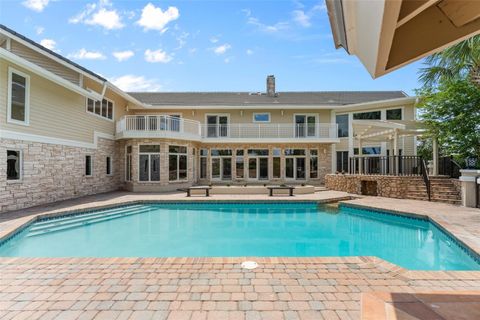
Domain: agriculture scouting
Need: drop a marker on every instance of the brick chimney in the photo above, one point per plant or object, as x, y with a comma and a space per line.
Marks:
271, 86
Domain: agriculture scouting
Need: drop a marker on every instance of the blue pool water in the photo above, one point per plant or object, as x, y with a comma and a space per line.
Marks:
273, 229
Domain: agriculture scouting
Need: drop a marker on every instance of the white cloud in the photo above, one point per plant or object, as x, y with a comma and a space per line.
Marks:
214, 39
154, 18
249, 52
268, 28
300, 17
109, 19
123, 55
132, 83
83, 54
36, 5
222, 49
39, 30
97, 14
49, 44
157, 56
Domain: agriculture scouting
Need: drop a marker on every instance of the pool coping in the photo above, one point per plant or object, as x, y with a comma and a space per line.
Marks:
9, 233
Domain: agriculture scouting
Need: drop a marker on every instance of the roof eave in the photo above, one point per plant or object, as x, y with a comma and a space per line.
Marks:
337, 23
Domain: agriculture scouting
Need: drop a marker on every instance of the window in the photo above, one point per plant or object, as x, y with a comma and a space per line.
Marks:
177, 163
258, 152
342, 122
88, 165
18, 97
394, 114
102, 108
221, 152
368, 151
240, 165
149, 163
221, 164
109, 166
276, 172
294, 152
313, 163
128, 164
203, 163
372, 115
342, 161
261, 117
14, 167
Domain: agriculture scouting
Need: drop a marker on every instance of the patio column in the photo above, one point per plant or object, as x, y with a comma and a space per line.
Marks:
435, 155
395, 151
360, 155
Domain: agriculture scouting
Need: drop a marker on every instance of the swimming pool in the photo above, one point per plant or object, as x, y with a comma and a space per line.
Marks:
240, 229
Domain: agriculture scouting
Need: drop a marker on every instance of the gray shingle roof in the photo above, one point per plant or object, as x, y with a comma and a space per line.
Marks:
330, 98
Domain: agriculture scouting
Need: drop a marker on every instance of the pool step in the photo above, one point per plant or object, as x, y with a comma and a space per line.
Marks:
80, 223
81, 217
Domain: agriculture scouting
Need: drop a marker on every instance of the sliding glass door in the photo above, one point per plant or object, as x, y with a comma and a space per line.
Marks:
217, 126
305, 125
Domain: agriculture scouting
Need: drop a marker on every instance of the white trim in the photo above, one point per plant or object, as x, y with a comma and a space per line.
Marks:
346, 108
85, 166
11, 71
260, 113
270, 140
101, 102
13, 58
20, 167
14, 135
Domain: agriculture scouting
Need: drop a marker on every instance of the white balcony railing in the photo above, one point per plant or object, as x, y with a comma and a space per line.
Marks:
270, 131
153, 126
163, 126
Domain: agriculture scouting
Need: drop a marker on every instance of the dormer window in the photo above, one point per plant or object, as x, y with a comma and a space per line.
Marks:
261, 117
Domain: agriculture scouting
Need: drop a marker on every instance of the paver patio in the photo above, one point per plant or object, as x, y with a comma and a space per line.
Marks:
217, 288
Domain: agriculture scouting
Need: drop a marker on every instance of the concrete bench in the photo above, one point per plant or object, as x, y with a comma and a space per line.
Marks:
189, 190
289, 188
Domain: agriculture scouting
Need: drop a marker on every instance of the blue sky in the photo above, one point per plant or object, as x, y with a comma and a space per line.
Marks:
200, 45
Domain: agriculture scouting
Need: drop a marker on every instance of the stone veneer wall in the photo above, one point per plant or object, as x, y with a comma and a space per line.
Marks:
387, 186
54, 172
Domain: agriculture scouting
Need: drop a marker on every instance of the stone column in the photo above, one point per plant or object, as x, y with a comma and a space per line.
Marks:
435, 155
469, 180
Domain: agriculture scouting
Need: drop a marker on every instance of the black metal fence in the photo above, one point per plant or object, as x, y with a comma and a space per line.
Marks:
387, 165
448, 167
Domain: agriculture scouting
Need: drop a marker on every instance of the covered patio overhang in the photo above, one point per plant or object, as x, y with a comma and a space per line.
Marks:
367, 131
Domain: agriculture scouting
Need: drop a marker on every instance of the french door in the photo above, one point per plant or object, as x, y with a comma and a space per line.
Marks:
295, 168
305, 125
222, 168
217, 126
258, 168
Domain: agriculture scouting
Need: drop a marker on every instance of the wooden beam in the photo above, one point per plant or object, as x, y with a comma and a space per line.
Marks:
460, 12
411, 8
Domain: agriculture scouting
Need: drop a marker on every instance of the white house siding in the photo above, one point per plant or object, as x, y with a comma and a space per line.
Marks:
55, 111
45, 62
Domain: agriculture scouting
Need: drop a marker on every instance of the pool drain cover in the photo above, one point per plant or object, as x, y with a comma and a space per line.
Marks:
249, 265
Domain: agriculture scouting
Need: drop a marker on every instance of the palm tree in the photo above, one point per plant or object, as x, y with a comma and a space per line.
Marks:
459, 61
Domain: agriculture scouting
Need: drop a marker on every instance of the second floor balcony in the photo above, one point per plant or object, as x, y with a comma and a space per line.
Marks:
163, 126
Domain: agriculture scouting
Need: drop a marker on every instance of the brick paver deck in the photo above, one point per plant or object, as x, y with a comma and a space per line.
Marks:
217, 288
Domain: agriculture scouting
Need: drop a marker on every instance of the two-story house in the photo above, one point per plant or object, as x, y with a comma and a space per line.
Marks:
66, 132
